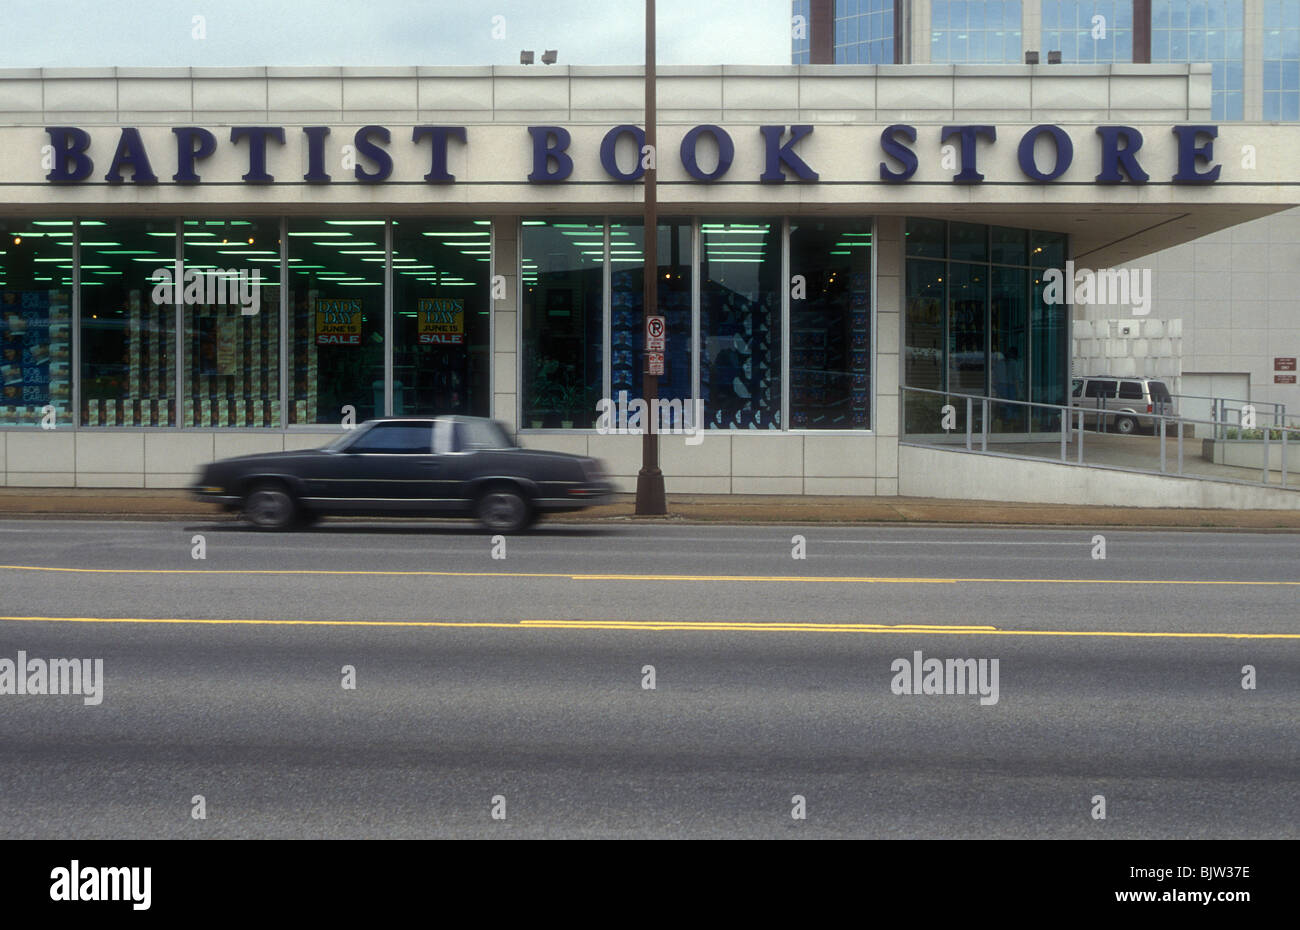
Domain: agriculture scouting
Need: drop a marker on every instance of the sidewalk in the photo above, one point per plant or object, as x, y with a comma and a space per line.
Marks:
116, 503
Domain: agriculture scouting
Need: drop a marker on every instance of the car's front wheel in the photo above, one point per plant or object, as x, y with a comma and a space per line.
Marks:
1126, 426
503, 510
270, 507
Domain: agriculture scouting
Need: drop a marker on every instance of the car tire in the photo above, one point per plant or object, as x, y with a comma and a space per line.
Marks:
503, 510
1125, 426
270, 507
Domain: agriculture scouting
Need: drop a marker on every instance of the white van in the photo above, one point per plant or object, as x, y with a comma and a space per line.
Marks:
1118, 405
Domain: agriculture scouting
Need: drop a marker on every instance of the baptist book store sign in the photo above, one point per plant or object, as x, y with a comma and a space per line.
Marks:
470, 240
69, 162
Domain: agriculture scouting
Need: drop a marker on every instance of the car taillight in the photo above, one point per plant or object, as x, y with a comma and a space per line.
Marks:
1149, 408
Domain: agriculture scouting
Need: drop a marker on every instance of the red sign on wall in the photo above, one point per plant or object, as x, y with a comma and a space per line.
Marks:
1284, 364
1284, 379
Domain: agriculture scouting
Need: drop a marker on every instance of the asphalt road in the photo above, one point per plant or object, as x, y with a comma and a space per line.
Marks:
522, 678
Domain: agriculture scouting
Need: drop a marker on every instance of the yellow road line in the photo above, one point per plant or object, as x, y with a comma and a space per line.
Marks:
832, 579
693, 626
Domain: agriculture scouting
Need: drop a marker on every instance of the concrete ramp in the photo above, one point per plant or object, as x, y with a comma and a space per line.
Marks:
927, 471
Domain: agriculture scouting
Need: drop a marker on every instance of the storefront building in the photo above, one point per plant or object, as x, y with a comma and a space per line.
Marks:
196, 263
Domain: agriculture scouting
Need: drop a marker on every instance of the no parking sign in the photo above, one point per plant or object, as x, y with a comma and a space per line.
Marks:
654, 334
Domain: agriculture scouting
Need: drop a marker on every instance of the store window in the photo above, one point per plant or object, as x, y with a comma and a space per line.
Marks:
232, 322
1049, 329
926, 299
830, 326
35, 321
336, 320
627, 294
976, 324
1009, 345
441, 317
128, 339
563, 324
967, 327
740, 323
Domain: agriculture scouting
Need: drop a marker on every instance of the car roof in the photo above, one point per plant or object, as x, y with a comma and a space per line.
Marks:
430, 419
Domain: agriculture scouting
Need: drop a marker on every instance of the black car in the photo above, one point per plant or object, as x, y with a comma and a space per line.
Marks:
437, 466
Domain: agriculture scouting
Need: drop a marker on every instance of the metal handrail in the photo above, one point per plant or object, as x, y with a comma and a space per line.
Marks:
1069, 426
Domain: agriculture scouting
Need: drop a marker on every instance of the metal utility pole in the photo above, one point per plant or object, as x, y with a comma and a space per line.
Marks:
650, 497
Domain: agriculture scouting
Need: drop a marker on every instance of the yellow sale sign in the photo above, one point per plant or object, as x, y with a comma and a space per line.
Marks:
338, 321
441, 321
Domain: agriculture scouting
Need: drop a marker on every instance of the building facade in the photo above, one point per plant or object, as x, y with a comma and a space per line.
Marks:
1231, 296
204, 262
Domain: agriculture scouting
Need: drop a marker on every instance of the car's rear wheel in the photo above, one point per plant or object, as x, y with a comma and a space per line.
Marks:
503, 510
270, 507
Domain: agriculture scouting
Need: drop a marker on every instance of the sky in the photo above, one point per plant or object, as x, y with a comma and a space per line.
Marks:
165, 33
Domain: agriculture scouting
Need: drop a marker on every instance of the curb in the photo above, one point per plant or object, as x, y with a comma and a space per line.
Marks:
687, 510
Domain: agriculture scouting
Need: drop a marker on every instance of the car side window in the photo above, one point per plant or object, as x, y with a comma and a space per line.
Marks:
1100, 389
1076, 388
395, 439
472, 435
1130, 390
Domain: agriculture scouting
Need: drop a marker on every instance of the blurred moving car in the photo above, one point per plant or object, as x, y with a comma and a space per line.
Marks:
451, 466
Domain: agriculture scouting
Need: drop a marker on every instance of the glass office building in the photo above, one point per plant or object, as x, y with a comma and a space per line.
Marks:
1259, 60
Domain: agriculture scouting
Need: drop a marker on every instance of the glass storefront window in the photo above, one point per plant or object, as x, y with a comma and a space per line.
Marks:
1047, 249
740, 323
967, 327
336, 320
627, 279
926, 238
441, 304
923, 323
830, 329
1009, 345
563, 323
35, 321
1009, 246
1050, 335
128, 341
981, 327
968, 242
232, 326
